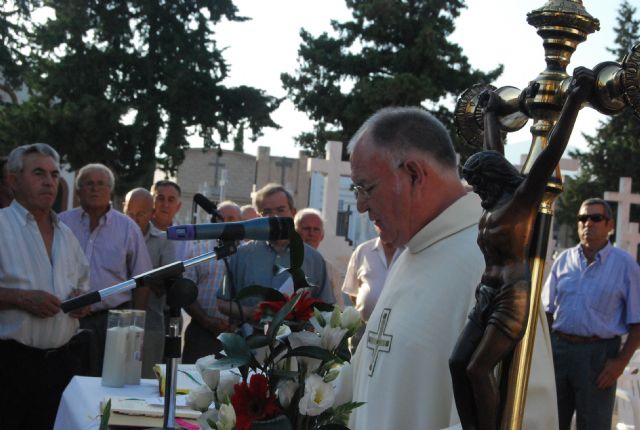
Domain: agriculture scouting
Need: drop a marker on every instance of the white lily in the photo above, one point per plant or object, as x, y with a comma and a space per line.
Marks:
318, 396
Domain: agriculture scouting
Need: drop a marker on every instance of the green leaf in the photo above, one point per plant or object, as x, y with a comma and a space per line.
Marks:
311, 352
227, 363
106, 414
281, 315
256, 341
234, 345
264, 293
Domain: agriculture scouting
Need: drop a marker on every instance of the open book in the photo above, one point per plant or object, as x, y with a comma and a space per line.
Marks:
138, 412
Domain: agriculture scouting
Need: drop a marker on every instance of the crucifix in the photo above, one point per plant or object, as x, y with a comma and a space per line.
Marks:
217, 164
331, 168
378, 341
626, 232
562, 24
284, 163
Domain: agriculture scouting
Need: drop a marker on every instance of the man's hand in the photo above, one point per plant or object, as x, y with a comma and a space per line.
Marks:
613, 368
39, 303
220, 325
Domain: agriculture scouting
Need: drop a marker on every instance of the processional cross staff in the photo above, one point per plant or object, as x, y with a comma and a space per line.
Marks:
562, 24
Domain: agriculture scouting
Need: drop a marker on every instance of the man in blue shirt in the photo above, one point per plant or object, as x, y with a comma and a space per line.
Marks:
258, 262
592, 297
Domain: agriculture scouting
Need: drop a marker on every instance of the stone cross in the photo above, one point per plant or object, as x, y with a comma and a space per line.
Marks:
627, 236
216, 174
378, 341
284, 163
332, 167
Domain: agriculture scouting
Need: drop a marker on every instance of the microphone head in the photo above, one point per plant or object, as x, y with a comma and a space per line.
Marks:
279, 228
205, 204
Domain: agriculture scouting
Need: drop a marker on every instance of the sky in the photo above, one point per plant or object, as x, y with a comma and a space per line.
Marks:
490, 32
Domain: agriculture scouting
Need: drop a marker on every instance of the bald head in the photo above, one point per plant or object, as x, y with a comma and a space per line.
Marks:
138, 205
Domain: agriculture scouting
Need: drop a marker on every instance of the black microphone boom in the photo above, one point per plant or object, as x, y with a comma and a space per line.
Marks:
272, 228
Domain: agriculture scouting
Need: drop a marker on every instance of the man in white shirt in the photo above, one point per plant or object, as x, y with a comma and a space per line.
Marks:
41, 265
405, 174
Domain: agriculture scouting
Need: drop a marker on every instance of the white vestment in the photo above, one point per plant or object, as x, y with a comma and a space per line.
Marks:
401, 366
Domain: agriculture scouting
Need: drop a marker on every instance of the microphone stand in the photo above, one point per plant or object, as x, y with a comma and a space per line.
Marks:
180, 292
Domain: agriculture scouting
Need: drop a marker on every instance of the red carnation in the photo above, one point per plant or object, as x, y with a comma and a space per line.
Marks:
254, 402
302, 311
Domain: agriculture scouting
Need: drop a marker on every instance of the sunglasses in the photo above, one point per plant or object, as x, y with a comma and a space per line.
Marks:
593, 217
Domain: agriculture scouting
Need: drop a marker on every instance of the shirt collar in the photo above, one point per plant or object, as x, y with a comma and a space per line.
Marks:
601, 255
25, 216
107, 215
462, 214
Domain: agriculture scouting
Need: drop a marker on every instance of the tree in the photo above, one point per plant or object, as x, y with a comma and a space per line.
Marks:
126, 82
614, 151
393, 53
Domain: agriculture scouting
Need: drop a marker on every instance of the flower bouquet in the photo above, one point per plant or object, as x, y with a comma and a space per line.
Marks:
285, 377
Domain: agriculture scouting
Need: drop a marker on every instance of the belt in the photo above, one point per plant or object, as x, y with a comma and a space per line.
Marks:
573, 338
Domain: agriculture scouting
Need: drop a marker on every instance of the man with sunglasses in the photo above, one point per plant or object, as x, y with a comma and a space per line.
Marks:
592, 298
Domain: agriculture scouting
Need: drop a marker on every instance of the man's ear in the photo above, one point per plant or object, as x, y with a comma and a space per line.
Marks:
415, 170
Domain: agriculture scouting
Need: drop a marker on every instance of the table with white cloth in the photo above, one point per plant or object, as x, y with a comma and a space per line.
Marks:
79, 407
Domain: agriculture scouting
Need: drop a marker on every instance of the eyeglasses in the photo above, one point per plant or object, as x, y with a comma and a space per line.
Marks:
96, 184
362, 190
593, 217
280, 210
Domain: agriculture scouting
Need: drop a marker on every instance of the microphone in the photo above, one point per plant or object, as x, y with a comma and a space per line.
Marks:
206, 204
271, 228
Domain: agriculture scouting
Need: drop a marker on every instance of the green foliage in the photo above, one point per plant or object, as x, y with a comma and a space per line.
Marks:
393, 53
614, 151
126, 82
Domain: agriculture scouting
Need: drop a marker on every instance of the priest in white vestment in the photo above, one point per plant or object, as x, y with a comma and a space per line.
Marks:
405, 176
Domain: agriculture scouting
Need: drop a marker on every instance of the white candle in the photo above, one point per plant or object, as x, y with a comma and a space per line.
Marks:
113, 368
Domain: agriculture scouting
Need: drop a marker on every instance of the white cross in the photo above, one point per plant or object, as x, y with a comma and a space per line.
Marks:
378, 341
332, 168
626, 238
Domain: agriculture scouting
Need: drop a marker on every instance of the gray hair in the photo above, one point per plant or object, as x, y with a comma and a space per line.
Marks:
15, 162
398, 130
269, 190
93, 167
307, 211
596, 201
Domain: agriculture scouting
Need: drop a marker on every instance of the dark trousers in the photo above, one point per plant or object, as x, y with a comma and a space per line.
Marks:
32, 381
577, 366
198, 342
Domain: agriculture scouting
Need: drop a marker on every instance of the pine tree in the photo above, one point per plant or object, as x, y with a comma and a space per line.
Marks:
125, 82
614, 151
393, 53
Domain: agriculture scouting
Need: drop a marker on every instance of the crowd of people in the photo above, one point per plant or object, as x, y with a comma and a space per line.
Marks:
414, 284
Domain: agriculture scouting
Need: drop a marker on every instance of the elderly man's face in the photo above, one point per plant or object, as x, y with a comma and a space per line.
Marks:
36, 186
311, 230
140, 210
166, 205
229, 213
95, 190
385, 193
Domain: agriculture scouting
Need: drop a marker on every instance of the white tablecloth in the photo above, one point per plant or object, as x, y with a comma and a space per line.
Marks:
80, 404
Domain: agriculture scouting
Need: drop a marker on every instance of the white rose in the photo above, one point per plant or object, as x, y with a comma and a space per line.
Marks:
305, 338
209, 416
225, 386
209, 376
318, 396
350, 318
331, 337
285, 392
227, 417
200, 398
